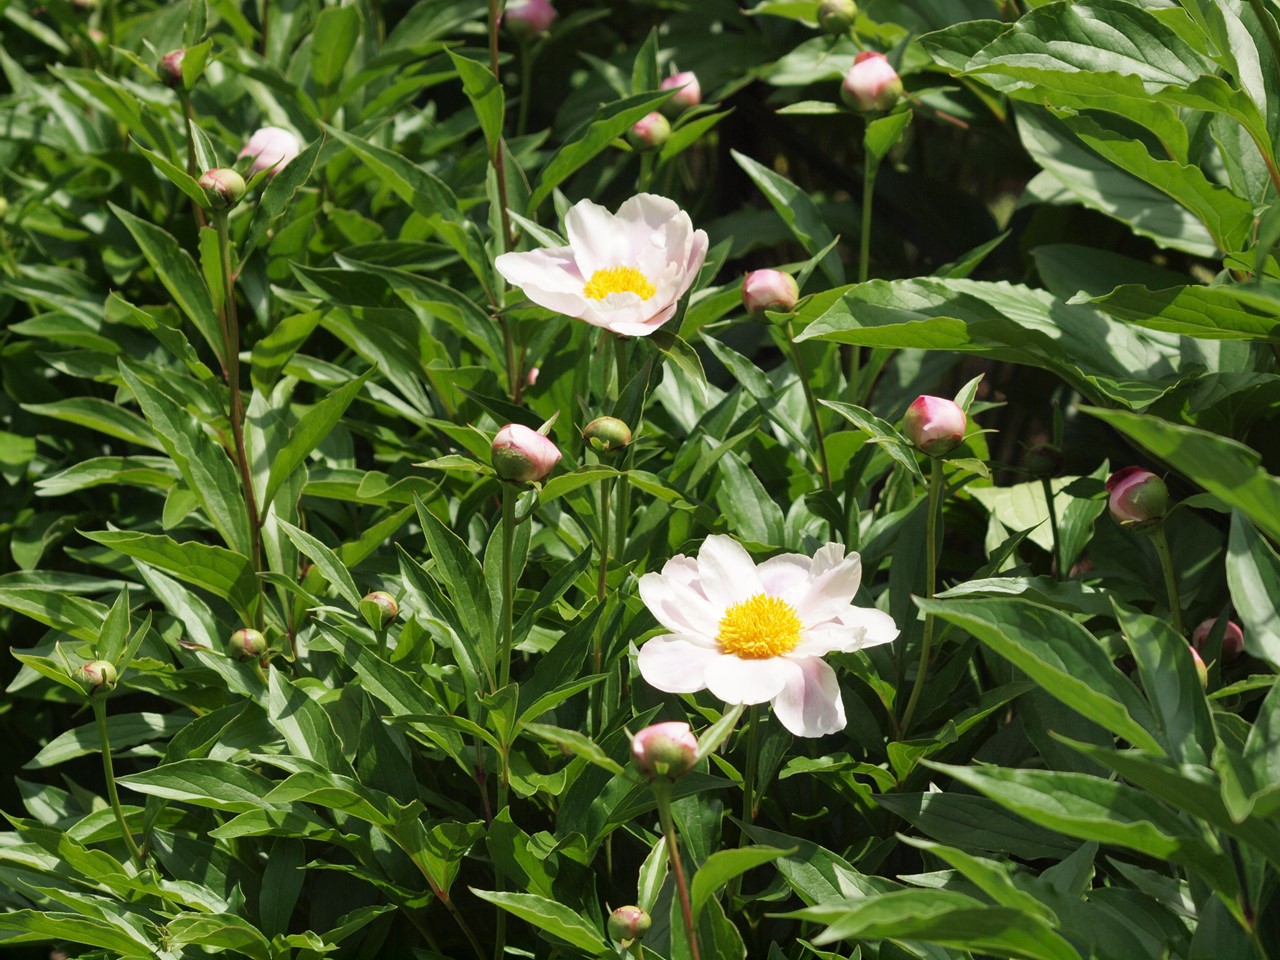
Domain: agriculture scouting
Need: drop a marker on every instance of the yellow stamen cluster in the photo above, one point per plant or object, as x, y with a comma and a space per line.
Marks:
759, 628
618, 280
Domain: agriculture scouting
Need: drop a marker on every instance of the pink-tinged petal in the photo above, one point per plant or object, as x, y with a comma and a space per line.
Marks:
785, 576
644, 328
678, 606
598, 238
649, 209
727, 572
810, 704
832, 589
551, 268
697, 254
675, 664
735, 680
873, 627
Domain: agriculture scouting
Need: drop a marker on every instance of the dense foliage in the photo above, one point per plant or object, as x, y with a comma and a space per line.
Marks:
335, 606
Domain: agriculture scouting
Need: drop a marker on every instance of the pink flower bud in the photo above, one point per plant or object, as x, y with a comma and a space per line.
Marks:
650, 133
98, 676
1232, 638
628, 924
607, 433
1138, 497
935, 425
532, 377
527, 17
522, 455
665, 750
769, 290
271, 148
1201, 670
247, 644
871, 83
171, 67
689, 91
836, 16
223, 186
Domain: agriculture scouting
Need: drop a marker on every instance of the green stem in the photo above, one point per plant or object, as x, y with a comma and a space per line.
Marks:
448, 904
1161, 543
496, 151
936, 483
646, 171
526, 76
749, 804
1059, 562
597, 652
662, 793
100, 715
508, 586
812, 401
869, 170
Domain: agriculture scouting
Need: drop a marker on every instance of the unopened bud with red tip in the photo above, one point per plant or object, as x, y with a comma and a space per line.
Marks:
1137, 497
98, 676
871, 83
836, 16
628, 924
379, 608
769, 290
650, 132
522, 455
247, 644
170, 69
606, 434
688, 91
935, 425
1232, 638
1042, 461
525, 18
665, 751
223, 186
1201, 670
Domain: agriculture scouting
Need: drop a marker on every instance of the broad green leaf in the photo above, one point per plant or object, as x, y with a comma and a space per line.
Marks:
223, 572
551, 917
217, 784
485, 94
316, 424
76, 616
225, 932
1060, 655
281, 188
326, 560
116, 936
100, 415
334, 37
1253, 573
1225, 312
797, 210
124, 729
722, 866
304, 724
992, 877
576, 743
457, 567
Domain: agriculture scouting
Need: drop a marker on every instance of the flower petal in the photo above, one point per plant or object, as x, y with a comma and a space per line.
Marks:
678, 606
810, 705
649, 209
785, 576
735, 680
727, 572
598, 238
549, 277
835, 581
675, 664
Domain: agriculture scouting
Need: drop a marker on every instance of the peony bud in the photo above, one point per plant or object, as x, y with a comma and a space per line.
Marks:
532, 377
523, 455
224, 187
170, 68
628, 924
935, 425
871, 83
1138, 497
98, 676
247, 644
650, 133
665, 750
607, 433
1232, 638
524, 18
688, 91
769, 290
271, 148
379, 608
1201, 670
1042, 461
836, 16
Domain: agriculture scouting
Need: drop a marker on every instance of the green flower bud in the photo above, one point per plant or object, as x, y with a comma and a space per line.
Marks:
379, 608
607, 433
836, 16
223, 186
628, 924
98, 676
247, 644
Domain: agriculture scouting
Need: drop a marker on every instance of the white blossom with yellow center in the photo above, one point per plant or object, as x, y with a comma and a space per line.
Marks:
624, 271
752, 634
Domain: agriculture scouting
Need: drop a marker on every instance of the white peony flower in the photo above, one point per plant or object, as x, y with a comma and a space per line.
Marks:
623, 271
271, 148
753, 633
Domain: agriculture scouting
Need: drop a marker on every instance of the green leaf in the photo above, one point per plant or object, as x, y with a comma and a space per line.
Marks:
225, 932
1226, 312
1058, 654
485, 94
176, 175
115, 631
101, 415
722, 866
217, 784
282, 186
179, 274
797, 210
1253, 574
571, 741
326, 560
334, 37
610, 122
304, 724
1229, 470
882, 432
884, 133
552, 918
110, 934
462, 575
316, 424
991, 877
124, 729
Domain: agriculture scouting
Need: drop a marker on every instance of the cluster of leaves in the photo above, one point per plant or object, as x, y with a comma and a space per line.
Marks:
1076, 200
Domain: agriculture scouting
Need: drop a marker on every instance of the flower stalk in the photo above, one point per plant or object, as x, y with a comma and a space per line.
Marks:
1059, 561
811, 400
662, 793
1161, 543
937, 482
108, 770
